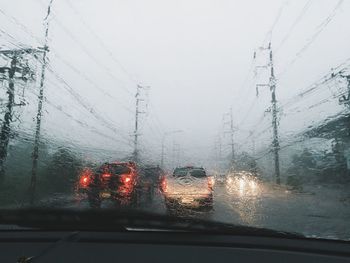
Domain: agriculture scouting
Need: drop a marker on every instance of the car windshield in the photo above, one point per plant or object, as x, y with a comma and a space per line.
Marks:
233, 112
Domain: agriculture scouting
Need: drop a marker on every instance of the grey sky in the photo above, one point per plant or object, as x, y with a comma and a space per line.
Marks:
195, 55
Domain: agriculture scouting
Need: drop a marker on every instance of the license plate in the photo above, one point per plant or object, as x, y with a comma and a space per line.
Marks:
105, 194
187, 200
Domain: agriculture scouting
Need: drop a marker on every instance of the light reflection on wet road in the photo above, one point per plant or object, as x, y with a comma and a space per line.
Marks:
320, 213
316, 212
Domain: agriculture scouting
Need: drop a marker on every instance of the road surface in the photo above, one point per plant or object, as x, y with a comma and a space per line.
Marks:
316, 212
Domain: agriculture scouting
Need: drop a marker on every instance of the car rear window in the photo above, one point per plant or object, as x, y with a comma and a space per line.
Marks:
179, 172
151, 172
199, 173
115, 169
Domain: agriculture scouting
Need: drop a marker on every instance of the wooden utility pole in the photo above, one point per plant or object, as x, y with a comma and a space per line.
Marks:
39, 111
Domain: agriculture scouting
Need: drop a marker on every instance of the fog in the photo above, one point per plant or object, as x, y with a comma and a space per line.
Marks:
196, 57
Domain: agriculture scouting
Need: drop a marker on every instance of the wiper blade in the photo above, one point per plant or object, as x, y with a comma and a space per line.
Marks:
124, 220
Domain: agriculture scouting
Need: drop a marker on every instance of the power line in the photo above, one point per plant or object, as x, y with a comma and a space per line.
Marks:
295, 23
86, 51
94, 84
267, 38
28, 31
85, 105
319, 30
84, 124
23, 27
80, 121
13, 42
102, 44
317, 84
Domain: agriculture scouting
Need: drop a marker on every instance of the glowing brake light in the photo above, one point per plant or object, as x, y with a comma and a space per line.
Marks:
106, 175
84, 181
211, 182
164, 185
126, 178
85, 178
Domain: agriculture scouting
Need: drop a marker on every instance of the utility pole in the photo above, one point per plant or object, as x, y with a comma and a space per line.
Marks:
139, 99
345, 99
40, 106
176, 155
218, 152
230, 131
218, 148
251, 134
15, 67
162, 153
272, 86
5, 129
163, 145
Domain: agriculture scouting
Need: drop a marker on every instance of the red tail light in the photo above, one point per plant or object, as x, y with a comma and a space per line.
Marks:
211, 182
84, 181
164, 185
126, 178
85, 178
106, 175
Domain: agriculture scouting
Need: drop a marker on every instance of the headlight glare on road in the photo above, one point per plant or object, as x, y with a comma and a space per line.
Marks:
242, 184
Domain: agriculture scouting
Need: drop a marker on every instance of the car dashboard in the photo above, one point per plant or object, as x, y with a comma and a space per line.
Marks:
143, 245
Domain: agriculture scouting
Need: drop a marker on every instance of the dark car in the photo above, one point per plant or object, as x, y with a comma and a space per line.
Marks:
150, 179
116, 181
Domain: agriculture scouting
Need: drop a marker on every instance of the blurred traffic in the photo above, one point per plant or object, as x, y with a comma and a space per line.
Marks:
242, 183
131, 185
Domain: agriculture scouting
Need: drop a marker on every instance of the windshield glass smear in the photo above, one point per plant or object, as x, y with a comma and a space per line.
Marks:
232, 112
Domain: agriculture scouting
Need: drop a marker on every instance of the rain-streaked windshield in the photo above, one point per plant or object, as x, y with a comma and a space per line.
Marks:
233, 111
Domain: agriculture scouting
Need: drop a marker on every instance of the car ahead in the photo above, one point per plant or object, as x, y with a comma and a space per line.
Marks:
220, 179
188, 187
116, 181
150, 178
242, 183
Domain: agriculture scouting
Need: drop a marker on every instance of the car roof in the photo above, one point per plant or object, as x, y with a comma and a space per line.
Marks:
190, 167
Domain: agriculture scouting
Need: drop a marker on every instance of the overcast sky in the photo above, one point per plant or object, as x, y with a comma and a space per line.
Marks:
196, 56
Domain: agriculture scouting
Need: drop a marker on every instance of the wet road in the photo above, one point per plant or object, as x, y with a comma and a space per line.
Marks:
315, 212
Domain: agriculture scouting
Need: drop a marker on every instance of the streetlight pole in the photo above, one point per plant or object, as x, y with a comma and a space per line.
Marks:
163, 145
